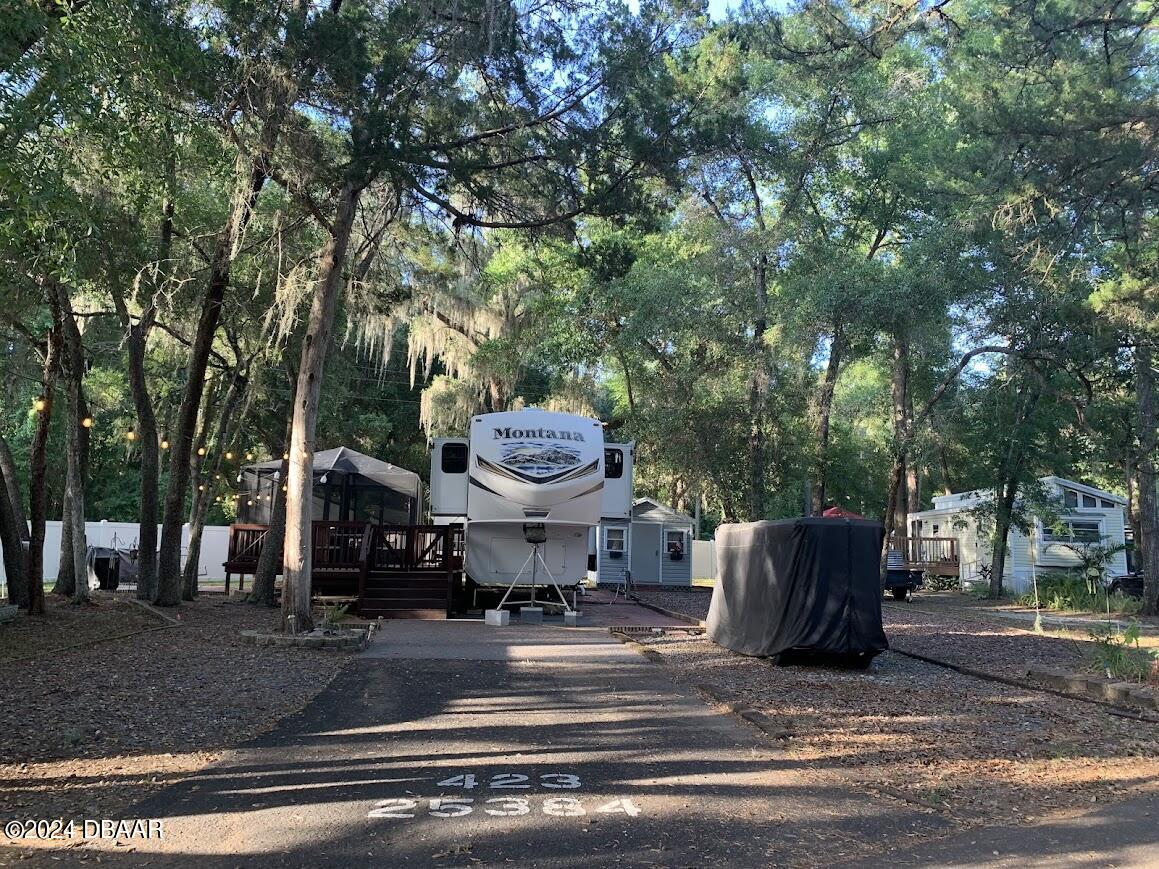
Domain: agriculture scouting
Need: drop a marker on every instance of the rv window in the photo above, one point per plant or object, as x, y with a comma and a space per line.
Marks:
1072, 530
1070, 498
1107, 505
613, 464
1089, 501
454, 458
614, 539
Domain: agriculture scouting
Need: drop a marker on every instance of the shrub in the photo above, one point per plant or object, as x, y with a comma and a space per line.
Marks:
1070, 592
1111, 652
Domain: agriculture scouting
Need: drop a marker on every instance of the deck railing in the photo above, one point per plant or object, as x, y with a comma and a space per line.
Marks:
928, 550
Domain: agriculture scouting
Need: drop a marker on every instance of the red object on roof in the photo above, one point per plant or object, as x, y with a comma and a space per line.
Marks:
841, 513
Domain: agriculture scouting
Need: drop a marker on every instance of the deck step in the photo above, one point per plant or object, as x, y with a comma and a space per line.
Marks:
415, 611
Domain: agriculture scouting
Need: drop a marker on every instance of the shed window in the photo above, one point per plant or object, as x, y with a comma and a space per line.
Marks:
1107, 505
674, 541
614, 539
454, 458
613, 464
1074, 530
1089, 501
1070, 498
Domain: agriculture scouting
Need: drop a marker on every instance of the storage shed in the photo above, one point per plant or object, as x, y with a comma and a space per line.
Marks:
348, 486
656, 546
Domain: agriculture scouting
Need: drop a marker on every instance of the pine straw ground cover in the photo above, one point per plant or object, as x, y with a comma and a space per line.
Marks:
89, 729
975, 750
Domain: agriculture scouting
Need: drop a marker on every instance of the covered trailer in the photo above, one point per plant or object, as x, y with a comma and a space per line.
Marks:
799, 587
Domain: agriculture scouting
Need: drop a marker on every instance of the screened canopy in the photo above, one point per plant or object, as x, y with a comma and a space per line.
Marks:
348, 486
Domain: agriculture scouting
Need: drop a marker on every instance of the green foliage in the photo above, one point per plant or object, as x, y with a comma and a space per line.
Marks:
1071, 592
1115, 652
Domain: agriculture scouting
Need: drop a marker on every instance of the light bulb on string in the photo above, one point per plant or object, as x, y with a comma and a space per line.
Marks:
228, 456
201, 451
130, 435
164, 442
39, 403
249, 457
87, 422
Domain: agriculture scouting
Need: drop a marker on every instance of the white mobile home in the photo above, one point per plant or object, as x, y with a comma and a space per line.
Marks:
1088, 515
655, 545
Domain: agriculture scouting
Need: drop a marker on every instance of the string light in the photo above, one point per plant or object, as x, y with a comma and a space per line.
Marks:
130, 435
228, 456
249, 457
285, 456
164, 442
87, 422
39, 403
201, 488
201, 451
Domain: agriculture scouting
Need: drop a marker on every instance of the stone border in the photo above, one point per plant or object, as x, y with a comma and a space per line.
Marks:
747, 714
353, 641
672, 614
1099, 688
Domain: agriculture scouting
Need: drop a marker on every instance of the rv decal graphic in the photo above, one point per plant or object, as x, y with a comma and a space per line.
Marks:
500, 434
539, 459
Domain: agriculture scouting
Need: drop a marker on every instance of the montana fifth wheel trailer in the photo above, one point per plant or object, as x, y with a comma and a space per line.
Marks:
525, 475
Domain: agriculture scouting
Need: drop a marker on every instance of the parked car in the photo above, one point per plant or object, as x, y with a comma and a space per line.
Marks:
1130, 584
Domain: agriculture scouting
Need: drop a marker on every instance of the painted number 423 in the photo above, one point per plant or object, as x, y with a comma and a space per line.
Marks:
512, 781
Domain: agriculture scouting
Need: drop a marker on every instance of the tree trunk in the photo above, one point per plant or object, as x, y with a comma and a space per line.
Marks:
758, 384
251, 181
824, 409
1148, 498
296, 563
72, 558
12, 481
215, 445
1006, 494
13, 550
901, 427
266, 570
37, 475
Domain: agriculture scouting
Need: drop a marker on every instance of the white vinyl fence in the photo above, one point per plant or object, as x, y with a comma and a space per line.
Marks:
704, 559
123, 535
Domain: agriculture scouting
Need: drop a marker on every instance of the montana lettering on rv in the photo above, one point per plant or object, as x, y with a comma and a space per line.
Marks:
545, 433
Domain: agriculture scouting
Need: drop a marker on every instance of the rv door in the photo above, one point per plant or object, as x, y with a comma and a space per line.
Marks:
617, 503
449, 480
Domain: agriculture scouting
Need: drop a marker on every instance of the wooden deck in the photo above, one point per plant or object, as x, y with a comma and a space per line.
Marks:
392, 571
935, 555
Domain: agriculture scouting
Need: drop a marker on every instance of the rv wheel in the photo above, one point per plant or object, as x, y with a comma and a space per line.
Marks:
901, 593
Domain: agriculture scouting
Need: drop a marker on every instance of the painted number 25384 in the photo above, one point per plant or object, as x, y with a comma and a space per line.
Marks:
502, 807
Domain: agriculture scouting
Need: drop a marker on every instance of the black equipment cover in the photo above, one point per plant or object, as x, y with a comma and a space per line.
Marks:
802, 584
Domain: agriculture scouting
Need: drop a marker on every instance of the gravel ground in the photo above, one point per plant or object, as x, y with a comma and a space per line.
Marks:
945, 628
978, 751
90, 729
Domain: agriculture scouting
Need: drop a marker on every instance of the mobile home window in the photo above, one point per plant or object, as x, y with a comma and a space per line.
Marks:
1072, 530
1070, 498
1089, 501
675, 541
454, 458
1107, 505
613, 464
614, 539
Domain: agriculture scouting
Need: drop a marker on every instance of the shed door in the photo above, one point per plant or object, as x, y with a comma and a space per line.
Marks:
646, 540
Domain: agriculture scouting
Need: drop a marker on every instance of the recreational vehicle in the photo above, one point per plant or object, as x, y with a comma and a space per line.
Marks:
529, 482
